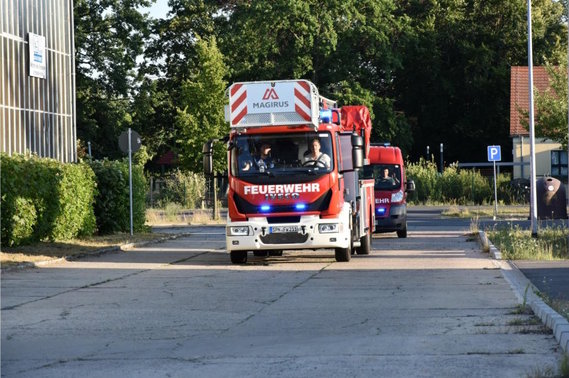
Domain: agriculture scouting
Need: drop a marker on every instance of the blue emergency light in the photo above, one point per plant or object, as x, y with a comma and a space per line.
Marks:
326, 115
300, 206
265, 208
380, 210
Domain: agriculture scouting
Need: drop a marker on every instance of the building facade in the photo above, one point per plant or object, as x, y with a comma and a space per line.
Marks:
37, 78
550, 157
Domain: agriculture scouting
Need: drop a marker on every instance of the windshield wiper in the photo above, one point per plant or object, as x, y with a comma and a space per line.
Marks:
268, 173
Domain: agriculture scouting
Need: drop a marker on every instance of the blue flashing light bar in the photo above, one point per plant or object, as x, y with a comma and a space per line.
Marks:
326, 115
265, 208
300, 206
380, 210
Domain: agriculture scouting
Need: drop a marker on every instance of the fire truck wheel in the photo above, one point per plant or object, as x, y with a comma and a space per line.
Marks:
238, 257
343, 254
402, 233
366, 244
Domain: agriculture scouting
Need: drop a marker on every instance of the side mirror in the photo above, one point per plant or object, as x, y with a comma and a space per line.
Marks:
208, 158
357, 151
410, 186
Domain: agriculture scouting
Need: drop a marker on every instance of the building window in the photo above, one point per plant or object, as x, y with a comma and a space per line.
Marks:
559, 163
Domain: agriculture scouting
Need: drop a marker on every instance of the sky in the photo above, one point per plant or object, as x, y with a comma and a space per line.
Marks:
159, 9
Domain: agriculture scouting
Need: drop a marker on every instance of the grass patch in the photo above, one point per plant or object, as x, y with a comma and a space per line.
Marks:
174, 214
504, 212
518, 244
561, 306
43, 251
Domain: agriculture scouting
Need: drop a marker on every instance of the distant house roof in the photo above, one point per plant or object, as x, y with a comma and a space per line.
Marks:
519, 94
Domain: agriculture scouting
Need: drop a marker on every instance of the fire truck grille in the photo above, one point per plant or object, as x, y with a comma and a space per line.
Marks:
320, 204
286, 238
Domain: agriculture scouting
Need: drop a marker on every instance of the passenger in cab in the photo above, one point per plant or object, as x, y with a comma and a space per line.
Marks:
263, 161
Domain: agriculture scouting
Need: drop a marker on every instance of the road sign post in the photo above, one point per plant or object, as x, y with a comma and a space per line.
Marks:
494, 155
129, 142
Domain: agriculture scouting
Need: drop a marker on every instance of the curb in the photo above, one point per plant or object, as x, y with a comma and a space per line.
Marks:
101, 251
526, 293
486, 243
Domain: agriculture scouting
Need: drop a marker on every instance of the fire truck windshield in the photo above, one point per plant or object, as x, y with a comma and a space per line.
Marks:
282, 155
386, 176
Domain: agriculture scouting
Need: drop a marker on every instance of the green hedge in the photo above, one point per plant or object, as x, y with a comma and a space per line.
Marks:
460, 186
112, 202
45, 199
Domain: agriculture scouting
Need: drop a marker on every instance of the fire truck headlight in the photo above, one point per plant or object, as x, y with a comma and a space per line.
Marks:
328, 228
238, 231
397, 197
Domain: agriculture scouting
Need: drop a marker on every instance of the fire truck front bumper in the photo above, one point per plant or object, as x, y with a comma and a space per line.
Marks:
310, 233
394, 220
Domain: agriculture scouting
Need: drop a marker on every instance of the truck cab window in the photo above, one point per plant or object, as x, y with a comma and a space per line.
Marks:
386, 176
282, 155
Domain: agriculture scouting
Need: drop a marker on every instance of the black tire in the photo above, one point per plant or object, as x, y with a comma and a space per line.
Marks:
260, 253
402, 233
276, 252
365, 247
238, 257
343, 254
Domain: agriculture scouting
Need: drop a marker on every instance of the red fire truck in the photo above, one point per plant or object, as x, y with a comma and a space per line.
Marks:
294, 165
391, 188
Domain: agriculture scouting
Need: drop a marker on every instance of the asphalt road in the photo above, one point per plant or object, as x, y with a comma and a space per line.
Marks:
429, 305
550, 277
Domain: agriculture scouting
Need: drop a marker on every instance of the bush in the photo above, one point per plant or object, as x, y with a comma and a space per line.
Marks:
45, 199
425, 175
186, 189
23, 221
112, 206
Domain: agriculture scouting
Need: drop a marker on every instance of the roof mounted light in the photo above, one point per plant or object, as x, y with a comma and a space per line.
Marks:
326, 115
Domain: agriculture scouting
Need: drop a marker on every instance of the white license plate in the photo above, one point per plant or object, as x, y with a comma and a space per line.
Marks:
283, 229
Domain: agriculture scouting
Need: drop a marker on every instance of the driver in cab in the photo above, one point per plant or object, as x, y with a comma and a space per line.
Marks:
315, 157
391, 179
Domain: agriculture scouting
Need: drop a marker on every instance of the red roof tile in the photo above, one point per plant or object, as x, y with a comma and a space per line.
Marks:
519, 94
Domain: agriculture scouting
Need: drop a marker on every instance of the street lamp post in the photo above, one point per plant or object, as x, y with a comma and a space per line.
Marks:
442, 161
567, 191
533, 192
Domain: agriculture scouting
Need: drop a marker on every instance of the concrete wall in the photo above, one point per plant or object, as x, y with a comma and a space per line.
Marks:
37, 114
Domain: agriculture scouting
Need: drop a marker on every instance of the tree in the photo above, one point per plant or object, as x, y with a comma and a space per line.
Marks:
200, 112
455, 75
153, 111
348, 49
551, 106
109, 35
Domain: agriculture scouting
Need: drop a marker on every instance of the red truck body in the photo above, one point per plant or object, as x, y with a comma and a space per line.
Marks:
387, 168
280, 197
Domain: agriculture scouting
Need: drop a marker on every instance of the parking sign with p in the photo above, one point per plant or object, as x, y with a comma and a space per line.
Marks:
494, 153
